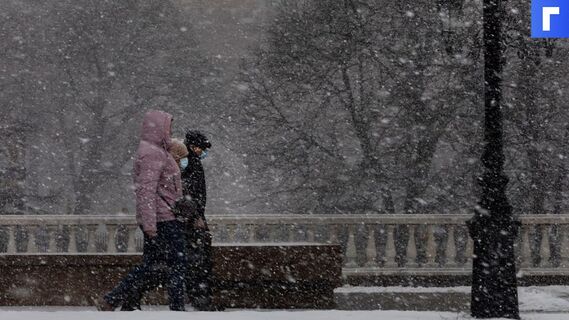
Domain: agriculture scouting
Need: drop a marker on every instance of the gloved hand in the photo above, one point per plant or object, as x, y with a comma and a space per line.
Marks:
185, 209
199, 223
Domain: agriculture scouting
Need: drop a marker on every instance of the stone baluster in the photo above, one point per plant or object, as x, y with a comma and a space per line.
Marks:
231, 233
91, 246
291, 231
564, 246
252, 233
32, 245
526, 248
272, 233
131, 246
351, 253
412, 248
431, 247
545, 251
72, 248
11, 240
52, 233
139, 239
220, 229
310, 234
102, 235
390, 252
451, 248
333, 234
214, 231
371, 250
112, 231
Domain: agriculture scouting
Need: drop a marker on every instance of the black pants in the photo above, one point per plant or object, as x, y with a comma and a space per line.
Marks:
198, 276
164, 256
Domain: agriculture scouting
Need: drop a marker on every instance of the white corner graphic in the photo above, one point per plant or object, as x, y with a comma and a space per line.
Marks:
547, 13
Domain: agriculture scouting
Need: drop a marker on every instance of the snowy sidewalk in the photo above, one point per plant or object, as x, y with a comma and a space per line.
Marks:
64, 314
536, 303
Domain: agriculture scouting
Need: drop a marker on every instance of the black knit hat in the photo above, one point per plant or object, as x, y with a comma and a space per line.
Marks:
196, 138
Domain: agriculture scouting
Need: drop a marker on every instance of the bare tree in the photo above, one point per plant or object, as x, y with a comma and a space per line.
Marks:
349, 100
97, 65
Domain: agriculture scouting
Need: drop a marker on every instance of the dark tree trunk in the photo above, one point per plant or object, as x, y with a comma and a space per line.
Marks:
89, 177
415, 187
493, 227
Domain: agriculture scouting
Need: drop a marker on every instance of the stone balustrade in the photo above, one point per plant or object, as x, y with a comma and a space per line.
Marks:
372, 244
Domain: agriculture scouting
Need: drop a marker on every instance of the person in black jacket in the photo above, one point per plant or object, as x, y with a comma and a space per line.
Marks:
199, 276
191, 210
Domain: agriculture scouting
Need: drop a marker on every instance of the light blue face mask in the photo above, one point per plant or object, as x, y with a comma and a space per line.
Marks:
203, 155
184, 163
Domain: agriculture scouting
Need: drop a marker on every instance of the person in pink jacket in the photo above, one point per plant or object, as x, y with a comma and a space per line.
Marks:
156, 173
158, 186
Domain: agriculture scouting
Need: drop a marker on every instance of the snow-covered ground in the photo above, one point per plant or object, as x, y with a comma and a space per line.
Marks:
536, 303
254, 315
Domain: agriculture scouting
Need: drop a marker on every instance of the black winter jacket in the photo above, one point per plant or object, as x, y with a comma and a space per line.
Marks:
193, 184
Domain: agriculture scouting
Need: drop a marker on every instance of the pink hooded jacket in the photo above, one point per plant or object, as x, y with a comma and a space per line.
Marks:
156, 174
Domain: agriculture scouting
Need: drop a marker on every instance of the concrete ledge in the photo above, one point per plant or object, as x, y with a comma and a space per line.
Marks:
265, 276
455, 299
407, 301
445, 277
